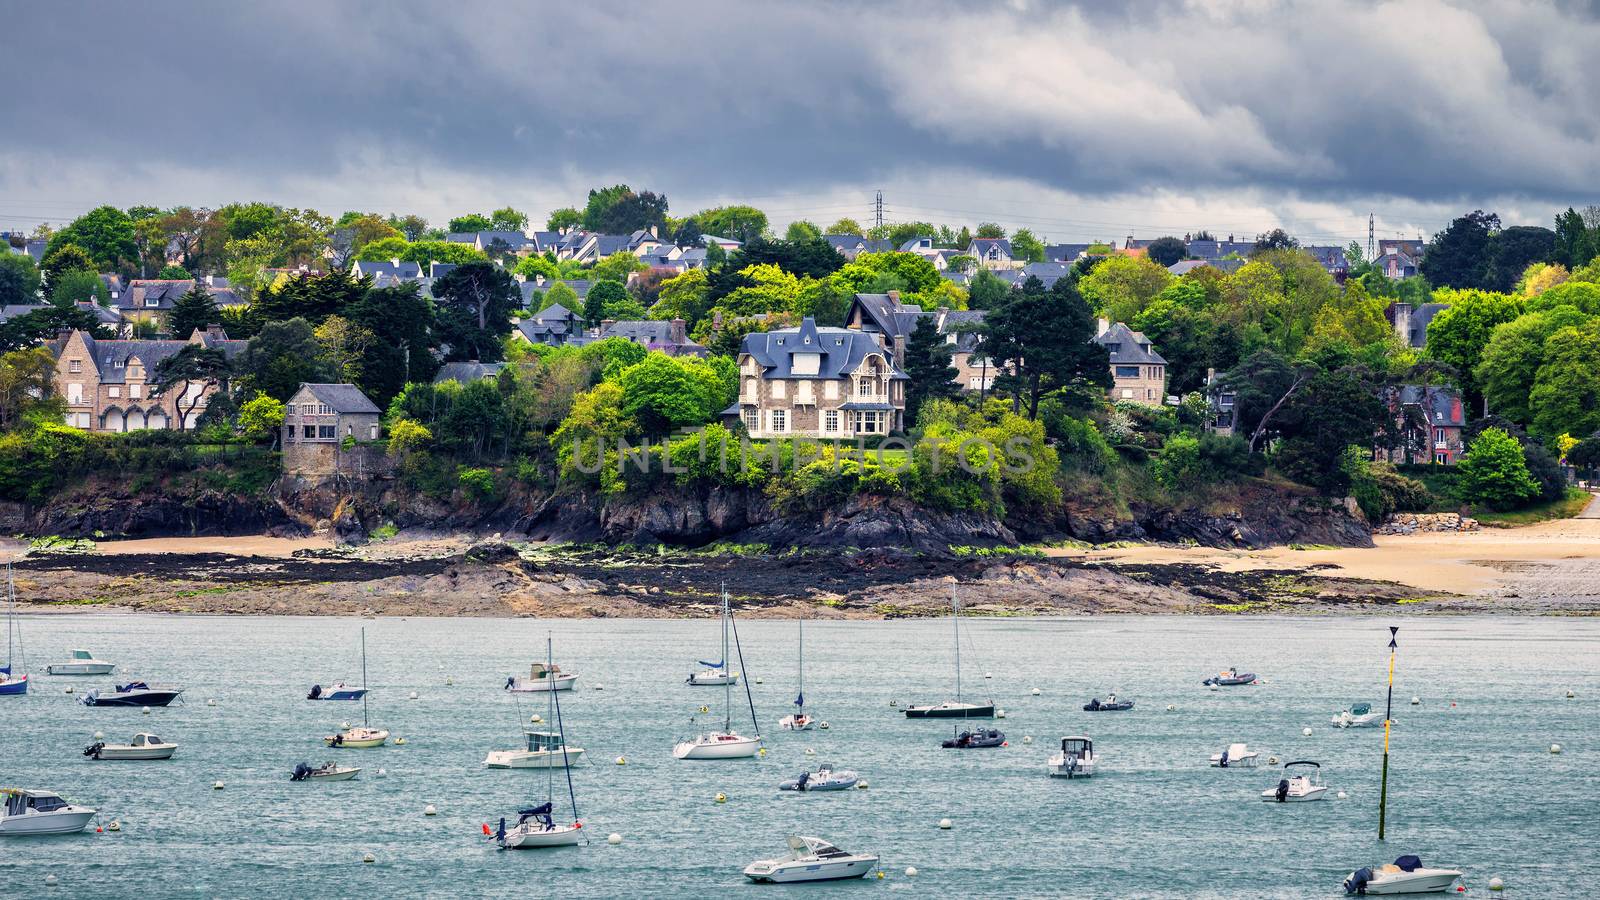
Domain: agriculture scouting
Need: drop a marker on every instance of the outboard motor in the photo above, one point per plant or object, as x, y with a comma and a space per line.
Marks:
801, 782
1283, 790
1093, 704
511, 682
316, 691
1223, 763
94, 749
301, 772
1357, 882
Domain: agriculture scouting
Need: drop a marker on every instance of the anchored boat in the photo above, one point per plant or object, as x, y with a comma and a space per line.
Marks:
536, 828
134, 693
957, 708
1298, 786
328, 771
82, 663
363, 737
11, 681
800, 720
1109, 704
811, 859
1405, 875
144, 746
545, 750
1359, 715
1076, 759
1235, 756
825, 778
724, 744
542, 676
33, 812
1230, 678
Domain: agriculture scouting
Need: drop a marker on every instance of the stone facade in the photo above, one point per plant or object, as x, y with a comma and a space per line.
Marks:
818, 382
318, 422
107, 384
1138, 372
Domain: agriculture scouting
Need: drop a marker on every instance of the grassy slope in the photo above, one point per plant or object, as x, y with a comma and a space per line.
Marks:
1565, 508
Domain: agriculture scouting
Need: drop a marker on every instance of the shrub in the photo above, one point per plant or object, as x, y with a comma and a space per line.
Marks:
1178, 465
477, 483
1494, 474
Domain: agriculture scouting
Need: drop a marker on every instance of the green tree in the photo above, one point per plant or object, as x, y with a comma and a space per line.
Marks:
1580, 295
617, 267
685, 297
987, 291
280, 357
174, 273
1458, 334
602, 294
79, 285
1493, 473
508, 219
193, 311
662, 392
1276, 239
563, 219
1512, 250
311, 296
741, 223
469, 223
927, 364
26, 376
1164, 251
1511, 360
1566, 390
62, 259
844, 226
1121, 286
19, 280
561, 294
29, 329
192, 373
801, 230
619, 210
1575, 243
1041, 341
261, 417
384, 249
475, 302
106, 234
990, 230
1460, 255
1027, 247
1178, 465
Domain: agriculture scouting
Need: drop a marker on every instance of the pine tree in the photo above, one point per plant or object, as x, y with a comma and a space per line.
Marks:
928, 366
193, 310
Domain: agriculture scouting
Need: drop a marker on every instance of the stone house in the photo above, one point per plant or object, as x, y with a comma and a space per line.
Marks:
1432, 419
316, 422
107, 384
151, 299
1138, 372
973, 371
818, 382
992, 253
554, 325
1411, 322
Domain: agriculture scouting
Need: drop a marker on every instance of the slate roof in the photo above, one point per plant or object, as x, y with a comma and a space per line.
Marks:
166, 292
36, 250
655, 334
514, 240
607, 244
345, 399
111, 357
966, 339
1441, 405
1411, 248
467, 372
440, 270
1421, 315
980, 247
841, 349
21, 309
1185, 266
1065, 252
1047, 272
1132, 347
842, 242
890, 317
545, 240
404, 271
1212, 250
1331, 258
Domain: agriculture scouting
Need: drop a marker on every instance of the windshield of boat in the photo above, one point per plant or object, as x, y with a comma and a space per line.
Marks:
46, 803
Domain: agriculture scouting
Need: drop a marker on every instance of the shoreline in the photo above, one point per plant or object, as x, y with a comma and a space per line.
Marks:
1552, 568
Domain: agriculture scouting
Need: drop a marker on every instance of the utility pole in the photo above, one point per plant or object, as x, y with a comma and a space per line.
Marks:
877, 210
1372, 245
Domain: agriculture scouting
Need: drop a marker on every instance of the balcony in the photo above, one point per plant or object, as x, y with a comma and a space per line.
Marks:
1441, 445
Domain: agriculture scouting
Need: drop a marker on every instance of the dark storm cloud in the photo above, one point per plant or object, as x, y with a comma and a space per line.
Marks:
1338, 101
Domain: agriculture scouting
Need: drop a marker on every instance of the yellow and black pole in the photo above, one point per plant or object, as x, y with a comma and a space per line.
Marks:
1388, 714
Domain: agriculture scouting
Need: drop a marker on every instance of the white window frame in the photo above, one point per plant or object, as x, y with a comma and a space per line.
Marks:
778, 419
830, 421
752, 420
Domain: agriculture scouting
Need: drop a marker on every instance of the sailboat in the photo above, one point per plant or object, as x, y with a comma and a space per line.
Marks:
800, 720
364, 737
716, 674
724, 744
954, 709
10, 682
536, 828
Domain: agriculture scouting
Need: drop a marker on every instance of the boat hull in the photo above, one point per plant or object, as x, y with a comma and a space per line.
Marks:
542, 685
1270, 795
951, 711
1421, 881
160, 751
742, 748
345, 775
521, 838
365, 740
81, 668
533, 759
356, 694
14, 686
797, 871
797, 723
1248, 761
703, 679
69, 821
137, 698
1058, 768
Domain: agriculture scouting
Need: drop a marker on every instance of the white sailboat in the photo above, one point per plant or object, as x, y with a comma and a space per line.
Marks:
800, 720
954, 709
535, 828
11, 681
724, 744
364, 737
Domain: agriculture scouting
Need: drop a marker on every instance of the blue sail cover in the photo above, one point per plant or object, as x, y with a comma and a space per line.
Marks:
800, 700
711, 665
5, 670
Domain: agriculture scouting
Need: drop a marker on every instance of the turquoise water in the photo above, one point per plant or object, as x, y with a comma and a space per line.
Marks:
1472, 782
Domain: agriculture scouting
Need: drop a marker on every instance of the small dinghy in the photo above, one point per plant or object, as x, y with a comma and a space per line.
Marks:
1237, 756
1230, 678
328, 771
975, 740
542, 677
535, 830
32, 812
338, 691
134, 693
1076, 759
1359, 715
1405, 875
810, 859
1109, 704
144, 746
1298, 787
825, 778
82, 663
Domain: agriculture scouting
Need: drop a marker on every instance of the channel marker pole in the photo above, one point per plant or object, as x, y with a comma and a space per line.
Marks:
1388, 713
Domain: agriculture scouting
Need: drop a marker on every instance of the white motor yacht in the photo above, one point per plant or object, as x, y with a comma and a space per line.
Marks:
144, 746
82, 663
134, 693
1076, 759
1237, 756
544, 751
1405, 875
28, 812
811, 859
1298, 787
542, 677
1359, 715
328, 771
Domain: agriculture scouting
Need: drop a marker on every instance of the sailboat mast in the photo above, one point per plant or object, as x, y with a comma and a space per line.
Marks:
11, 612
566, 762
364, 719
549, 774
801, 697
955, 620
727, 668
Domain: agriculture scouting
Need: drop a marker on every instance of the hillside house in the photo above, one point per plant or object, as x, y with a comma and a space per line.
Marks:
1138, 372
107, 384
818, 382
1432, 420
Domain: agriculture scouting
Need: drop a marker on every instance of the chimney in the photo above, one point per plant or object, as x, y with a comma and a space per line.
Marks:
606, 323
716, 320
894, 296
899, 349
1402, 322
939, 317
63, 334
394, 261
214, 332
654, 232
1101, 326
679, 331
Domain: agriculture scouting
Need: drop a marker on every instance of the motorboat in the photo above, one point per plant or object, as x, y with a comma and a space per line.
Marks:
977, 739
82, 663
799, 720
542, 677
1076, 759
952, 709
535, 830
361, 737
825, 778
1110, 704
1298, 786
725, 743
1359, 715
1405, 875
337, 691
29, 812
12, 682
1230, 678
1236, 756
144, 746
544, 751
134, 693
811, 859
328, 771
717, 745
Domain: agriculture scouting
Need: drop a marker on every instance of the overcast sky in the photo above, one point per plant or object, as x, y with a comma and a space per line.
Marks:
1080, 121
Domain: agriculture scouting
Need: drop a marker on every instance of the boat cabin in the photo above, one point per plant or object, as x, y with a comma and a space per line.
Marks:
1080, 747
21, 802
539, 671
82, 656
146, 740
817, 847
548, 741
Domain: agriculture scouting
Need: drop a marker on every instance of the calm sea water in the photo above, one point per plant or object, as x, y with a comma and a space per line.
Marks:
1472, 782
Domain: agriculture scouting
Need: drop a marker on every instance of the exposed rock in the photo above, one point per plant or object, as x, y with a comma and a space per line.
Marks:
1411, 523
